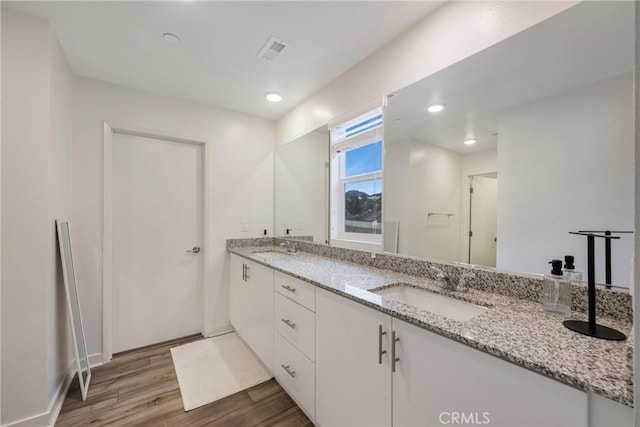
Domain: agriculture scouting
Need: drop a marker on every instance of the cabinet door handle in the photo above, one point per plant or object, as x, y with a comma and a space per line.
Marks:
289, 371
244, 272
394, 359
380, 350
288, 323
289, 288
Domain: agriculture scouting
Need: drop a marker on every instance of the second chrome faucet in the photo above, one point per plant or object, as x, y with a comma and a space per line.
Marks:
291, 247
446, 283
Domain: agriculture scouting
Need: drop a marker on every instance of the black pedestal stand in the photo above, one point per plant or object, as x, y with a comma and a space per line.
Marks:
607, 252
590, 328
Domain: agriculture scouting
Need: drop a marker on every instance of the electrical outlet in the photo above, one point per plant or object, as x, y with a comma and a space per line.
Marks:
244, 225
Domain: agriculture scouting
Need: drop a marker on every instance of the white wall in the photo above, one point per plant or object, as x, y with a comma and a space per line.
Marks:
59, 199
451, 33
535, 143
36, 136
240, 182
421, 178
25, 115
302, 186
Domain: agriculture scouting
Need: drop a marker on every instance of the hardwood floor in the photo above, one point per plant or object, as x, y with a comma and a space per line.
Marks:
140, 388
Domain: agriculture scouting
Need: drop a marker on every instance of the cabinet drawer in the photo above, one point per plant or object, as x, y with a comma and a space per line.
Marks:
301, 292
299, 377
296, 324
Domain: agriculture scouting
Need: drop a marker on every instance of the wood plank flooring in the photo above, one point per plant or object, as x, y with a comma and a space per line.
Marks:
140, 388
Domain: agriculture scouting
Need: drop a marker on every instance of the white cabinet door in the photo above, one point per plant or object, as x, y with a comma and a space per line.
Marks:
236, 292
352, 387
439, 381
604, 412
251, 306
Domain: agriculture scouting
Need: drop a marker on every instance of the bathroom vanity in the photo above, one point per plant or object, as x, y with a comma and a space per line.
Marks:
349, 352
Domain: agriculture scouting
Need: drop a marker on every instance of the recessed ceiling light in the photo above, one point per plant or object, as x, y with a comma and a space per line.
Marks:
470, 141
435, 108
171, 38
273, 97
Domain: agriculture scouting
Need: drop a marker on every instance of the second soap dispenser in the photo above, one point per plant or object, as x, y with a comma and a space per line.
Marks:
556, 291
569, 270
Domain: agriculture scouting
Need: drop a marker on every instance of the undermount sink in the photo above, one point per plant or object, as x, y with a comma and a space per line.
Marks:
272, 254
451, 308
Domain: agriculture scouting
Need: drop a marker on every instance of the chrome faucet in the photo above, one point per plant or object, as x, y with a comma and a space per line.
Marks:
443, 279
291, 247
446, 283
462, 284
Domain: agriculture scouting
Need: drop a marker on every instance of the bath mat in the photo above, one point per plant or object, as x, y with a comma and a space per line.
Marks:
214, 368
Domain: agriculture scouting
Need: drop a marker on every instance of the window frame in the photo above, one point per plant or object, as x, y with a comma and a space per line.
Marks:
338, 156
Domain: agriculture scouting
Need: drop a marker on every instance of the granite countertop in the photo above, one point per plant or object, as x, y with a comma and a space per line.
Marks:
515, 330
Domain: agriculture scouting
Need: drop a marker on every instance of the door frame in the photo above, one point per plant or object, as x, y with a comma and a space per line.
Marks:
465, 246
107, 226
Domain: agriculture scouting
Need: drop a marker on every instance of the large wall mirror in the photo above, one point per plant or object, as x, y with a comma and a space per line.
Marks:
535, 140
551, 110
302, 187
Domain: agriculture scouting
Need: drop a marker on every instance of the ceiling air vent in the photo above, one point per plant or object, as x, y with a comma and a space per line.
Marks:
273, 49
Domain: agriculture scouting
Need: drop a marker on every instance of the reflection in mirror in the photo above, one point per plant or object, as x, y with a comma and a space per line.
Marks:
301, 187
550, 113
73, 303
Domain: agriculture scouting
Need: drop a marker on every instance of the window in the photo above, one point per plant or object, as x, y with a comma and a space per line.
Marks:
356, 179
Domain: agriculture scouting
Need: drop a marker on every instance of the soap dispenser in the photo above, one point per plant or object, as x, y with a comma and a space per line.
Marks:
265, 241
569, 270
556, 291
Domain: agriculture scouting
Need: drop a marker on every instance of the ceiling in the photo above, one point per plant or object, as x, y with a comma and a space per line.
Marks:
585, 44
216, 61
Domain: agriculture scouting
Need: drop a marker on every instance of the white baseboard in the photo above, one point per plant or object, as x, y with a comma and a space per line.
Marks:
41, 420
49, 418
95, 360
218, 330
58, 399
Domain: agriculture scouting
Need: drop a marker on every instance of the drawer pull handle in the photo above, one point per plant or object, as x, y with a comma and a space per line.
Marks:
380, 350
289, 324
289, 288
290, 372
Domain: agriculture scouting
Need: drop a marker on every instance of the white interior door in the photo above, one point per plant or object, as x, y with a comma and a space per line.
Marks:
157, 217
483, 236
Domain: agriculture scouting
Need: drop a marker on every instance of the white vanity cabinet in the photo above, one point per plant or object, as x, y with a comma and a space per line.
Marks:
335, 358
251, 306
353, 384
438, 380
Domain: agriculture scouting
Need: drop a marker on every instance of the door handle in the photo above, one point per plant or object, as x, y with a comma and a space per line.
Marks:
195, 249
394, 359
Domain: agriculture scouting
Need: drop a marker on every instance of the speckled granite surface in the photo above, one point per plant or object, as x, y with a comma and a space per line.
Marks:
514, 328
615, 303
